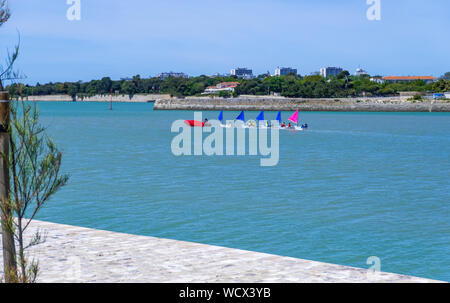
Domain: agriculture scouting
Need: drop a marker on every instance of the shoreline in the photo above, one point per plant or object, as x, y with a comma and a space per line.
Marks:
138, 98
79, 254
267, 103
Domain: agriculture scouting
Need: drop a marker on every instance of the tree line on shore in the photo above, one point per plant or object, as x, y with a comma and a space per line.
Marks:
344, 85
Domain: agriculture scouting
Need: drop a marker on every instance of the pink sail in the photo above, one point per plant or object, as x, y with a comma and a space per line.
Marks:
294, 117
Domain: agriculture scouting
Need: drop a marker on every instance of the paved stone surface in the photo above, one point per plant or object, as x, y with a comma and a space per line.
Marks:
76, 254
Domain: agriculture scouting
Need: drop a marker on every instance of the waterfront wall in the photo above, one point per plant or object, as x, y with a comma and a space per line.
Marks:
99, 98
391, 104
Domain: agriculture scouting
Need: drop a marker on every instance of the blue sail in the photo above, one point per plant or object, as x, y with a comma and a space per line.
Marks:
260, 116
241, 116
221, 116
279, 117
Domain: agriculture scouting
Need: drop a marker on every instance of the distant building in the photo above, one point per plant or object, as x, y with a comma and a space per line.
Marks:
215, 75
447, 95
330, 71
164, 76
401, 79
283, 71
315, 74
360, 72
377, 79
243, 73
224, 86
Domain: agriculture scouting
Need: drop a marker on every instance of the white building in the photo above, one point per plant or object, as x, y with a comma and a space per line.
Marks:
215, 75
378, 80
360, 72
243, 73
283, 71
164, 76
224, 86
330, 71
406, 79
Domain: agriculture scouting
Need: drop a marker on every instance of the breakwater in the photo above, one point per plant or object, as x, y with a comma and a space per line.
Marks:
268, 103
391, 104
77, 254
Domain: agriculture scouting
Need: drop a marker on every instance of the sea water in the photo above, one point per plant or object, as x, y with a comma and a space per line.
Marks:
354, 185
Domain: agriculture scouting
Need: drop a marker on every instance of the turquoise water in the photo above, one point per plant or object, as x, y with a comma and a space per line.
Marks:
355, 185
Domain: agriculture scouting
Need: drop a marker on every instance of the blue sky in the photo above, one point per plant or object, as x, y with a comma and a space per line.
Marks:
124, 38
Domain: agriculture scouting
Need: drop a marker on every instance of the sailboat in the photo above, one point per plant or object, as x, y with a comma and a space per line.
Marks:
220, 118
279, 117
294, 119
260, 118
241, 117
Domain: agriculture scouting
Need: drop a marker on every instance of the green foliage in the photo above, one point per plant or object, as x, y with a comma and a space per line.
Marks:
416, 97
344, 74
225, 94
288, 86
440, 86
34, 164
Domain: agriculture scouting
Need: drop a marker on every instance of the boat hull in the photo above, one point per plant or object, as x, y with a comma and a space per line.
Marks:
194, 123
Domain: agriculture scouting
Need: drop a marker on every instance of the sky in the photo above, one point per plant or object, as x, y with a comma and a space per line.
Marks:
124, 38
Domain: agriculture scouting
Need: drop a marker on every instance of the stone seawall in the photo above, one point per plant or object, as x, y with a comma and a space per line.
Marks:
394, 104
99, 98
77, 254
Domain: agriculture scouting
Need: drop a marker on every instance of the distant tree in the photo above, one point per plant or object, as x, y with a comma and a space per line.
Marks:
105, 85
73, 89
440, 86
446, 76
116, 86
315, 78
344, 74
128, 87
225, 94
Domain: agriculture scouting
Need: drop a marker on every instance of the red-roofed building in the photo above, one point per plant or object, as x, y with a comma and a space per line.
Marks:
224, 86
403, 79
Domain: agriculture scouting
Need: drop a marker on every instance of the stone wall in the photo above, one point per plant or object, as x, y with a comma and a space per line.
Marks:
392, 104
100, 98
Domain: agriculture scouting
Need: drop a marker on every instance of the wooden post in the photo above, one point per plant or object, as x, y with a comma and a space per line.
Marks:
9, 249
